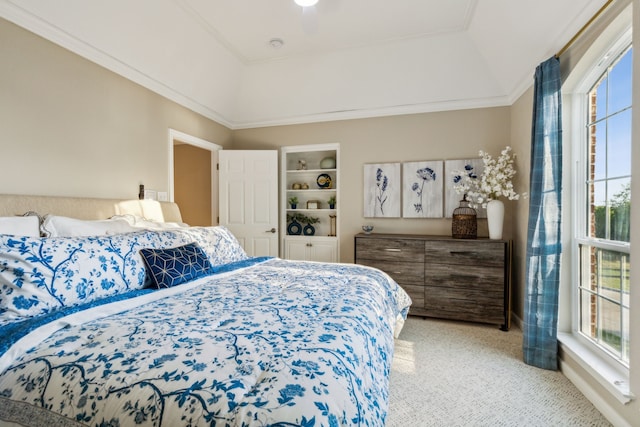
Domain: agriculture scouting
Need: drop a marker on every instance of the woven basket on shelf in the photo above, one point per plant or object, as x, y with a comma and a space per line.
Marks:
464, 224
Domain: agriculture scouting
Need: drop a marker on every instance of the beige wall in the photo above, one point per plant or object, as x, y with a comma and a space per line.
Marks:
431, 136
70, 127
192, 183
521, 113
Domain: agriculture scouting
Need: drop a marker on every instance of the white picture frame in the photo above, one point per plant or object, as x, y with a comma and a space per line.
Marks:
382, 190
451, 197
423, 189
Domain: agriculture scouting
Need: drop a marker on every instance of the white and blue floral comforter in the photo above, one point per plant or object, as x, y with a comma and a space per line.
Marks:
269, 343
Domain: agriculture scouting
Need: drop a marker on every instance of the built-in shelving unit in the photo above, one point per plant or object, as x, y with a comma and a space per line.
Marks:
311, 174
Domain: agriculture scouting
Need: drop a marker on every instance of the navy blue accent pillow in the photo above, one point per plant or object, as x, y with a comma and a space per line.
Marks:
174, 266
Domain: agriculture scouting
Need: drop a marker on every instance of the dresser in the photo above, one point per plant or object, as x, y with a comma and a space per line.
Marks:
460, 279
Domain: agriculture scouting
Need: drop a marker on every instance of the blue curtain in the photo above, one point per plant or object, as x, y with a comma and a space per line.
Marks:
544, 247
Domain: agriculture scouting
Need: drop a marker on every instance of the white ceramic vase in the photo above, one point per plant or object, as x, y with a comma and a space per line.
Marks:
495, 218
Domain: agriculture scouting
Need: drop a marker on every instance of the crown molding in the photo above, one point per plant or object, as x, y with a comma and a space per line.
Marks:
366, 113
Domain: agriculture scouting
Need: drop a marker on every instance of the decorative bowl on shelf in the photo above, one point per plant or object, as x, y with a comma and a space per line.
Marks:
367, 229
328, 163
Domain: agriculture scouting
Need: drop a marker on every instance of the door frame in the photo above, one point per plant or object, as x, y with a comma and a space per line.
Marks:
176, 135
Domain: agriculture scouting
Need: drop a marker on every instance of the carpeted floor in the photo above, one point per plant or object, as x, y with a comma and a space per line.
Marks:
464, 374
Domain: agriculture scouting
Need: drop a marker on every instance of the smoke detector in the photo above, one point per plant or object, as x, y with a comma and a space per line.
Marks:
276, 43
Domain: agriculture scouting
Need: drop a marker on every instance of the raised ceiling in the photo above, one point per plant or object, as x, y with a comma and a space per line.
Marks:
344, 59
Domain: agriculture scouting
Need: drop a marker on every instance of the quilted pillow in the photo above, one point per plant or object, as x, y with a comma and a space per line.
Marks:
174, 266
38, 275
220, 245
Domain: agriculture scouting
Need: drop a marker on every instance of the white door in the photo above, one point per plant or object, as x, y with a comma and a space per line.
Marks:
249, 198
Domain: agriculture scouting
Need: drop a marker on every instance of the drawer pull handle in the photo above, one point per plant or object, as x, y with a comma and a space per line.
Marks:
393, 250
462, 253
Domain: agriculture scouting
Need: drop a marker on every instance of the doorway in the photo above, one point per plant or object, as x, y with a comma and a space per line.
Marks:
193, 178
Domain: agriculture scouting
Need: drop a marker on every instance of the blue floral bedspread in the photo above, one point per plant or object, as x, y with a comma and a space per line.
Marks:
279, 343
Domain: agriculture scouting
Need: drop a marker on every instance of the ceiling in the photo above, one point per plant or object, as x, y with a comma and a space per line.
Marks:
343, 59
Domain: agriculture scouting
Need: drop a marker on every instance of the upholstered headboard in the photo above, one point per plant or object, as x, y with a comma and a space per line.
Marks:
88, 208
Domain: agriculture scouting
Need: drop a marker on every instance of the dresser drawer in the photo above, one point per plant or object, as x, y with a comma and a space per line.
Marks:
464, 305
465, 277
417, 297
406, 250
408, 273
465, 252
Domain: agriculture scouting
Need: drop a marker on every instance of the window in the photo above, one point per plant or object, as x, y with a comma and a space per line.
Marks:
604, 200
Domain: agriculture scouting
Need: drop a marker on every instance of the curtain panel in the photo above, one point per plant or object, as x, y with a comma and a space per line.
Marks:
544, 247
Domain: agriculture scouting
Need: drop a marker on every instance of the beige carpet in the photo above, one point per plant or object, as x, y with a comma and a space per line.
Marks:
464, 374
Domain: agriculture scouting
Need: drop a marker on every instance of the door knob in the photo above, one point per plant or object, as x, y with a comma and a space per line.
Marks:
273, 230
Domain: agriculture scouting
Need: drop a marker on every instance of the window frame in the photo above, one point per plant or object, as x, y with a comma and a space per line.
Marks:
606, 364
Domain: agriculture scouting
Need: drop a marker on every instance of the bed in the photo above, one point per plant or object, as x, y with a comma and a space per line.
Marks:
173, 326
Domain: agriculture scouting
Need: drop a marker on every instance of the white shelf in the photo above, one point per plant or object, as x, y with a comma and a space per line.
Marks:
311, 210
310, 171
310, 190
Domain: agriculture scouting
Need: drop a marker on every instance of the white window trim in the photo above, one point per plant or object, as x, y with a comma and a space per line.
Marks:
613, 379
604, 368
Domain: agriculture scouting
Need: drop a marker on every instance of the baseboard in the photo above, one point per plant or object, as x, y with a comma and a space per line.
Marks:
516, 321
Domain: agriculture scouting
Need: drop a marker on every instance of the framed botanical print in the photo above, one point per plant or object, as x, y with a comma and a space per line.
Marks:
471, 167
382, 190
422, 189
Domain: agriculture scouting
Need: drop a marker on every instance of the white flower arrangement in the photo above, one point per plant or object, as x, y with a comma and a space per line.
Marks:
495, 181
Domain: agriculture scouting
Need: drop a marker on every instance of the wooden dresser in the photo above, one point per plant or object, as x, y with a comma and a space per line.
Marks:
448, 278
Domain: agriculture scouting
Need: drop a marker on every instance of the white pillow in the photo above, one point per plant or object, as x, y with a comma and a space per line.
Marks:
62, 226
149, 224
20, 225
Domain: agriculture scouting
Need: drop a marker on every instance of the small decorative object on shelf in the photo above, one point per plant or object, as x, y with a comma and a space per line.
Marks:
328, 163
324, 180
302, 165
293, 201
309, 230
304, 186
294, 228
332, 202
313, 204
367, 229
296, 186
464, 224
332, 229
